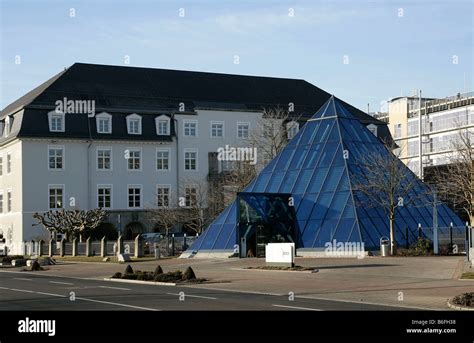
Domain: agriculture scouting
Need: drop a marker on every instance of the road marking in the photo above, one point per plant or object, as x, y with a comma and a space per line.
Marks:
19, 290
22, 279
61, 283
193, 296
120, 288
299, 308
118, 304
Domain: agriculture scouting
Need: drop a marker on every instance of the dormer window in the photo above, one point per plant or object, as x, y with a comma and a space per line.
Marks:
134, 124
372, 128
292, 129
104, 123
162, 125
56, 121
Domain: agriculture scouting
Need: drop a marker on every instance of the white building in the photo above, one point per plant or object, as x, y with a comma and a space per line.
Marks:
131, 139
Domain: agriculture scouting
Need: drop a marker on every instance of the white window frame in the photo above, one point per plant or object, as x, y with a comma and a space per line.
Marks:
197, 160
141, 196
100, 186
1, 164
2, 201
167, 186
52, 186
55, 114
63, 156
186, 187
373, 128
240, 123
9, 163
9, 200
223, 129
103, 115
190, 121
290, 126
163, 118
100, 148
133, 117
169, 159
7, 128
141, 159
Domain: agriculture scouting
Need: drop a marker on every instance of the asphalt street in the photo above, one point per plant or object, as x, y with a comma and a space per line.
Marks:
21, 291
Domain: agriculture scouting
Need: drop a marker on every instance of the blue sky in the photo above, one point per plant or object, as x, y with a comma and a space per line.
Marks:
392, 47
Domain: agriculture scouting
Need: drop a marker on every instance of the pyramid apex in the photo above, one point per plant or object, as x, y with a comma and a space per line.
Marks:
333, 107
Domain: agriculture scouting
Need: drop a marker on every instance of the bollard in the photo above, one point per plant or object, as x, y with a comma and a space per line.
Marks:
138, 246
52, 247
62, 247
74, 247
103, 247
88, 247
40, 248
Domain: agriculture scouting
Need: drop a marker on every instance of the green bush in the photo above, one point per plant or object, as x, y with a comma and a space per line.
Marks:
128, 270
158, 271
129, 276
169, 277
422, 247
117, 275
189, 274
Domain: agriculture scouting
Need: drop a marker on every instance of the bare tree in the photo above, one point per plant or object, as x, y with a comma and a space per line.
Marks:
70, 222
456, 179
271, 134
194, 204
381, 180
164, 213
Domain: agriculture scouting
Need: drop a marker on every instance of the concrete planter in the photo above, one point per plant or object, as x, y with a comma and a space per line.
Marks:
19, 262
459, 307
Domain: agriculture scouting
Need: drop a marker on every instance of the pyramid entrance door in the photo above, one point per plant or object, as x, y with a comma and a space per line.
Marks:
264, 218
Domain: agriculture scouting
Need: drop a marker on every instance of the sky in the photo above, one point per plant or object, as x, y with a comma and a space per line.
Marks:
364, 52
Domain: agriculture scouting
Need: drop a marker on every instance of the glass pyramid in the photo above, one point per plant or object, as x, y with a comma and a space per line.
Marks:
313, 170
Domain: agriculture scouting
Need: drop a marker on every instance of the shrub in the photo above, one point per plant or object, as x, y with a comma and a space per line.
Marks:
117, 275
144, 276
465, 299
128, 270
129, 276
158, 271
36, 266
169, 277
189, 274
422, 247
8, 259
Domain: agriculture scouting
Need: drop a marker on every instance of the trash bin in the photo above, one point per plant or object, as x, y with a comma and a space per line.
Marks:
384, 246
157, 253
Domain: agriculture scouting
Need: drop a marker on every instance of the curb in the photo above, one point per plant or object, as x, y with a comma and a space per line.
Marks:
459, 307
276, 270
140, 282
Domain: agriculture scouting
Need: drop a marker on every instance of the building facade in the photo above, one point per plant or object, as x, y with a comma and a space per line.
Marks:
130, 140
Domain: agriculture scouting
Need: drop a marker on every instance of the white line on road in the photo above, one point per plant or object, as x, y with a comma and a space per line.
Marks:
51, 294
18, 290
193, 296
118, 304
22, 279
299, 308
61, 283
120, 288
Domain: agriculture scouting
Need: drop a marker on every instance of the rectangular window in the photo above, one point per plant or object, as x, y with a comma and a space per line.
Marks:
190, 160
134, 126
163, 196
1, 165
134, 196
9, 163
191, 196
398, 130
1, 202
104, 125
134, 162
57, 123
243, 130
190, 129
217, 129
56, 194
104, 196
162, 159
55, 158
104, 159
9, 200
163, 127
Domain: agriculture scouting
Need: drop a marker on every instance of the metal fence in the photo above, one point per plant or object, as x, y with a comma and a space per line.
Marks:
450, 238
168, 245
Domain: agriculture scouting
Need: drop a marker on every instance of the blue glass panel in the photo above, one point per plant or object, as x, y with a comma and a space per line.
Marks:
317, 180
221, 217
337, 205
370, 236
211, 236
322, 205
303, 181
330, 110
327, 155
275, 181
225, 234
309, 234
344, 182
334, 135
232, 216
344, 229
338, 158
232, 240
332, 179
323, 131
310, 129
327, 230
349, 211
285, 158
355, 234
299, 157
304, 210
288, 181
313, 156
261, 182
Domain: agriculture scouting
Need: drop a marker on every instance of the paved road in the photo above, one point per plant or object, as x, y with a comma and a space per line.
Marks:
34, 291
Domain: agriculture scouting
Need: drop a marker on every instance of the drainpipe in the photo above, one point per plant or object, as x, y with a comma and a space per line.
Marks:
175, 123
